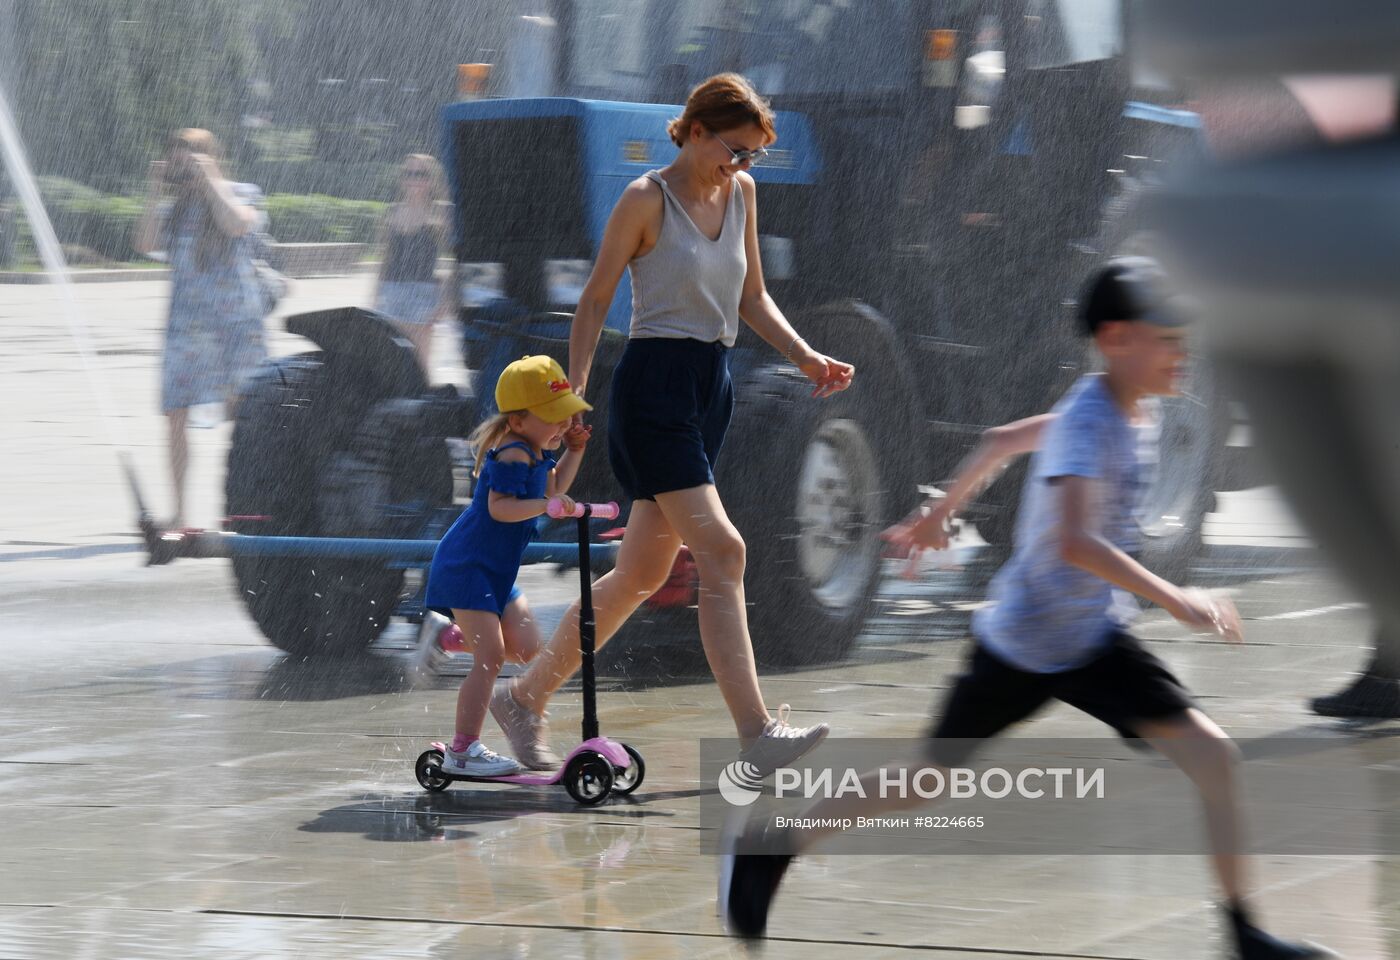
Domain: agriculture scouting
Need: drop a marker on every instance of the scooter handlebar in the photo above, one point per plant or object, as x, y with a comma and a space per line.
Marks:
603, 511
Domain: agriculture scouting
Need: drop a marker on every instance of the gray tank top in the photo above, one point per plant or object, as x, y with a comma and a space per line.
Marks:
689, 285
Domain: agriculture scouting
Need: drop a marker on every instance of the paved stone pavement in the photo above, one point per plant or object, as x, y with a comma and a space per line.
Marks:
172, 786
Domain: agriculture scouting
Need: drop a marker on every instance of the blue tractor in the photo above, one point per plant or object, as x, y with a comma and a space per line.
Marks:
946, 174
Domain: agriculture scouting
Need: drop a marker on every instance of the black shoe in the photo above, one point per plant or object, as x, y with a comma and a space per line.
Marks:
1370, 698
748, 881
1137, 744
1255, 944
1251, 943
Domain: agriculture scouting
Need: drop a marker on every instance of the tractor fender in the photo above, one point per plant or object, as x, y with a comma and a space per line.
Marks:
361, 340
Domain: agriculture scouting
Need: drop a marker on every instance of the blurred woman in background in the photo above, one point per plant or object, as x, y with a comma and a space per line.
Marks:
412, 235
207, 225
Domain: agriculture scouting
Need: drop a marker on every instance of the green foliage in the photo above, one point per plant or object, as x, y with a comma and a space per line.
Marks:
358, 181
87, 218
322, 219
287, 144
100, 84
84, 217
97, 86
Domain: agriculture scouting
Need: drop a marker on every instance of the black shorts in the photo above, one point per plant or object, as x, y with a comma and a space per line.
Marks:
1122, 685
670, 407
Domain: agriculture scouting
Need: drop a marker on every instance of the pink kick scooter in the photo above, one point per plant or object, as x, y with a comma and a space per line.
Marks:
597, 767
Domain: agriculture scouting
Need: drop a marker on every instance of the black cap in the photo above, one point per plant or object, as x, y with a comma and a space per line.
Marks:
1129, 288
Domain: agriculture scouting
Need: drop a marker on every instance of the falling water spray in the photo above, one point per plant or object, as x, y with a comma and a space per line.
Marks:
51, 253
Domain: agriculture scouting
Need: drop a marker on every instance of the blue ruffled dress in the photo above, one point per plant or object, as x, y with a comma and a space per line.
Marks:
478, 559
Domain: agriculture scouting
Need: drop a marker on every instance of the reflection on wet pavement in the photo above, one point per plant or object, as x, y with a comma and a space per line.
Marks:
182, 789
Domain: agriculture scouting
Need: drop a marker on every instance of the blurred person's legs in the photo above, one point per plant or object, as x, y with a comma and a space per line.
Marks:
421, 336
1290, 256
412, 308
1304, 416
1322, 429
1375, 694
177, 422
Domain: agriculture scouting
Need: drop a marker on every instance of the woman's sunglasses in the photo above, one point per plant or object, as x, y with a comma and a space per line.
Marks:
416, 175
743, 156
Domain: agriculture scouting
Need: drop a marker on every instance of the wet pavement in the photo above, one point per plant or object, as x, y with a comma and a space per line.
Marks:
172, 786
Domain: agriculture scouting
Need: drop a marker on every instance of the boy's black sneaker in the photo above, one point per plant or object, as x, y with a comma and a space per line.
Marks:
1369, 698
749, 878
1254, 944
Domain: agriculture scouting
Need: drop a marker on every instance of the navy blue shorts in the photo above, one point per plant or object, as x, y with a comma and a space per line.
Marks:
670, 407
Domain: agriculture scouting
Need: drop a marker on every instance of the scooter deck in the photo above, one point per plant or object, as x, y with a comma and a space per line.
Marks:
522, 779
537, 778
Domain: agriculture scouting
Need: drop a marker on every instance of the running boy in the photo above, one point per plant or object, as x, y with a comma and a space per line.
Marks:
472, 577
1056, 628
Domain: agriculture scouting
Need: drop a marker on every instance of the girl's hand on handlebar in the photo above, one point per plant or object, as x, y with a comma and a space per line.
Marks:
566, 505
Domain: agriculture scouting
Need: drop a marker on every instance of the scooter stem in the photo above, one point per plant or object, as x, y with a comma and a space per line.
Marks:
586, 630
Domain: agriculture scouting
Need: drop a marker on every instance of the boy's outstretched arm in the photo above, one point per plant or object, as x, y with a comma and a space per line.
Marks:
997, 447
1082, 545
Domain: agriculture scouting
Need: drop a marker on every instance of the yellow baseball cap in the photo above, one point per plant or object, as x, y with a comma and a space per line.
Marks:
538, 384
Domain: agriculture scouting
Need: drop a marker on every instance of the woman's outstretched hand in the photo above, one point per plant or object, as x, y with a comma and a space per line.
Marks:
830, 376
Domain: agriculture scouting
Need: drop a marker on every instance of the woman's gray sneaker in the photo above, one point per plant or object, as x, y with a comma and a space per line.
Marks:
781, 744
527, 731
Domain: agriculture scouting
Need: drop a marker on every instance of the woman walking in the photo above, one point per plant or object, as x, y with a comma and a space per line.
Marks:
688, 233
414, 231
214, 335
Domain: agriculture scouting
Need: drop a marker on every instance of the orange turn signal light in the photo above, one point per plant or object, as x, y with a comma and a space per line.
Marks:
940, 44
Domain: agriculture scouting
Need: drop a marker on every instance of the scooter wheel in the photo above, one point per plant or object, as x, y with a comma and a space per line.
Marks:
589, 778
629, 778
428, 769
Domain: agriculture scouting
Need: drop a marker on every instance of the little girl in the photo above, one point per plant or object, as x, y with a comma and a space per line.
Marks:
472, 577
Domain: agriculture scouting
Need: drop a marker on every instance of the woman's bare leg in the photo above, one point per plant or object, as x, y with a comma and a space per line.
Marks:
700, 518
178, 421
421, 336
521, 632
644, 562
